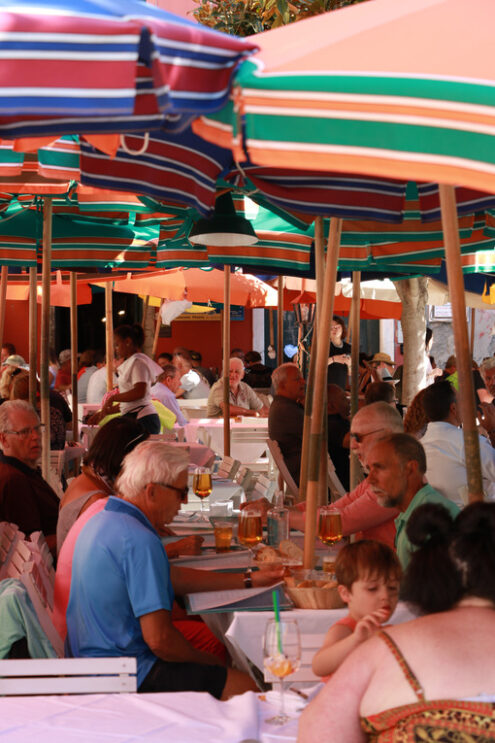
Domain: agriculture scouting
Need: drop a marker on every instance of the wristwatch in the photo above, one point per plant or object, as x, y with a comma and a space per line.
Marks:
248, 580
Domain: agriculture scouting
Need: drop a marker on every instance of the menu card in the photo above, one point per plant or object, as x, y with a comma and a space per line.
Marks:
238, 599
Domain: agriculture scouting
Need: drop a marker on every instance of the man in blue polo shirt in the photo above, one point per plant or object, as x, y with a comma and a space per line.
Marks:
397, 466
121, 595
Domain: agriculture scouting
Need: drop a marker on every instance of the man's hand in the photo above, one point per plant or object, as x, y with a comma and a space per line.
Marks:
267, 574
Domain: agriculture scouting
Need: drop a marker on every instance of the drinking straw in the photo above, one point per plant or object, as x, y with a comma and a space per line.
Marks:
276, 610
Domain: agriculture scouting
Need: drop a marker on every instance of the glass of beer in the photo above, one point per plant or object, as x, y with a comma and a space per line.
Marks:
330, 525
223, 535
202, 483
250, 532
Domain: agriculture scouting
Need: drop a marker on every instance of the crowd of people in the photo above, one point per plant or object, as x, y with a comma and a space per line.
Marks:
415, 537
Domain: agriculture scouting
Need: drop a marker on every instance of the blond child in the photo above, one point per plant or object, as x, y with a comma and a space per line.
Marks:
368, 575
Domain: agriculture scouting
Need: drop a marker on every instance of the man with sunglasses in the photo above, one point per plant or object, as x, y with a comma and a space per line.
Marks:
122, 586
361, 513
26, 499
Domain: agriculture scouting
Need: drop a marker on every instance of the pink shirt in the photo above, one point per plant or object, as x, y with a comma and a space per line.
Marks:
64, 566
361, 513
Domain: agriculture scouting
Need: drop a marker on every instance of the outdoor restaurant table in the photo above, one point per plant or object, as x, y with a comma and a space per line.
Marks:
244, 452
181, 717
244, 630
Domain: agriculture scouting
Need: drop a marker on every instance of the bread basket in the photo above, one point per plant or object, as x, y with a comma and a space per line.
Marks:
322, 594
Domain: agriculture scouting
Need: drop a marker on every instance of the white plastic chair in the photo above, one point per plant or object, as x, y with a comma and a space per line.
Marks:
67, 676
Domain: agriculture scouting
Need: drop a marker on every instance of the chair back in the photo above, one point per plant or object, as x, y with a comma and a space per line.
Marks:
286, 478
228, 468
263, 488
336, 488
67, 676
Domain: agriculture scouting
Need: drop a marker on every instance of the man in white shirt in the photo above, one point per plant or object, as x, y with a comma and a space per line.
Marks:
443, 443
164, 390
97, 385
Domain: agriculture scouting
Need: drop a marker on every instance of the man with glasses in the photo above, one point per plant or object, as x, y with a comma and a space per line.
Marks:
122, 586
25, 498
361, 513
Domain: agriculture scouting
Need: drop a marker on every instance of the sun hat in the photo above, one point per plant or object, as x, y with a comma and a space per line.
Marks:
15, 360
381, 357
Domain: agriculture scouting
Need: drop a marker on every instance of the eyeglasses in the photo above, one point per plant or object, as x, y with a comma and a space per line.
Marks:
24, 433
358, 437
182, 492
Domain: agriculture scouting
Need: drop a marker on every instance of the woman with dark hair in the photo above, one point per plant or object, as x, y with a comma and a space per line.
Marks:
101, 465
136, 374
432, 679
339, 348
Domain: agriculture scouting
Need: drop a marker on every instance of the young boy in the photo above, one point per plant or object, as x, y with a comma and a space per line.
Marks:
368, 575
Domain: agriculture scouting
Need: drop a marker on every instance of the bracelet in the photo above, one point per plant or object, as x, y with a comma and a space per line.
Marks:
248, 580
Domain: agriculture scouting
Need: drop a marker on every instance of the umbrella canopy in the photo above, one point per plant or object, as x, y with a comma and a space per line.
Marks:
60, 292
72, 66
398, 90
197, 285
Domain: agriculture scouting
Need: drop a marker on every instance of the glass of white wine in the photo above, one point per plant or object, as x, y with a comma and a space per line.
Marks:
201, 484
282, 656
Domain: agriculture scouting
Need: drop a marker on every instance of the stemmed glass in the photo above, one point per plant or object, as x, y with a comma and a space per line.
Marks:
202, 484
250, 532
282, 655
330, 525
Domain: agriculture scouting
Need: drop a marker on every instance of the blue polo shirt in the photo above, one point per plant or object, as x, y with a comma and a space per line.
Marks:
119, 573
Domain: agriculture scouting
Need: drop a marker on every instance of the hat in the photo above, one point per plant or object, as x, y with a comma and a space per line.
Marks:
382, 357
64, 356
15, 360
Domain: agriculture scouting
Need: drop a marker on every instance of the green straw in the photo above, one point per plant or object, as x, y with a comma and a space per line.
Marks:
276, 609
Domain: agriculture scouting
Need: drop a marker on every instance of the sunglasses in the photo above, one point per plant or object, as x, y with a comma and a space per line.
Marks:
358, 437
181, 492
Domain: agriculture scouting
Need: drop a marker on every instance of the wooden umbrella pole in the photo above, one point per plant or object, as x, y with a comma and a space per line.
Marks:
146, 302
158, 326
308, 412
320, 280
3, 300
73, 354
33, 335
280, 322
466, 398
355, 317
320, 387
226, 357
472, 327
109, 333
319, 265
45, 337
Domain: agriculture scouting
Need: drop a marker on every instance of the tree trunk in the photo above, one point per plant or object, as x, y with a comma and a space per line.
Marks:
413, 294
149, 328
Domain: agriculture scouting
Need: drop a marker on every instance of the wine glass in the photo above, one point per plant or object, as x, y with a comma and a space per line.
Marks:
282, 655
250, 532
202, 483
330, 525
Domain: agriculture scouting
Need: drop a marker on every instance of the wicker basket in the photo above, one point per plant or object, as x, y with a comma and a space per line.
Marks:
315, 598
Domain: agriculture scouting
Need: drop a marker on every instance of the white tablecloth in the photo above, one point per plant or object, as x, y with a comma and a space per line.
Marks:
214, 428
184, 717
244, 630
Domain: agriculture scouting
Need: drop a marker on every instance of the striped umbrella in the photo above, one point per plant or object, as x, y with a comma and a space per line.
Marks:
72, 66
386, 89
398, 90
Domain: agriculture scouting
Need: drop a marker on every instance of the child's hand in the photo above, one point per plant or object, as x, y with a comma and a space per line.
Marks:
371, 623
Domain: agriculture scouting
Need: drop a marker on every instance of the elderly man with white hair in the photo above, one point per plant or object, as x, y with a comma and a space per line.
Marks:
243, 399
121, 591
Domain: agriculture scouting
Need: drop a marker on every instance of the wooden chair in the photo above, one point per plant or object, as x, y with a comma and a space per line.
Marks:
228, 468
67, 676
9, 536
285, 478
263, 488
37, 581
193, 408
335, 487
246, 479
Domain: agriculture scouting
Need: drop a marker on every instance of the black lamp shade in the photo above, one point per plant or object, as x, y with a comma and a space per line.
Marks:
224, 228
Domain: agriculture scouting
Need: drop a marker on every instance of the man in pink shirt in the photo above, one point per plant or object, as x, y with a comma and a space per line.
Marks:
360, 510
